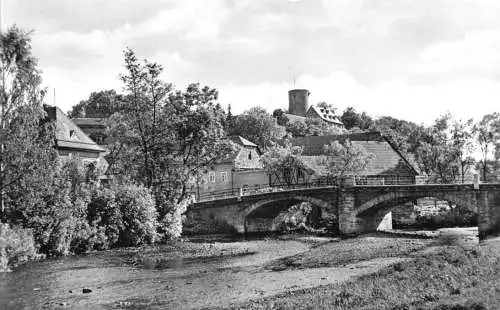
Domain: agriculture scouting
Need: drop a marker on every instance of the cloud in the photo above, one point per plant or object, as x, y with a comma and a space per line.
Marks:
396, 57
476, 54
397, 98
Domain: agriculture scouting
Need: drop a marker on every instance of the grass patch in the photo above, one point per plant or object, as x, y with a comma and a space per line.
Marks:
451, 278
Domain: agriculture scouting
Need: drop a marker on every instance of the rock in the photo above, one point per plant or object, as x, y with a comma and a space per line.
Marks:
278, 268
71, 291
62, 304
86, 290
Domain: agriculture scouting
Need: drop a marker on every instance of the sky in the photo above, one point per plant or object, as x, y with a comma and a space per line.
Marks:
414, 60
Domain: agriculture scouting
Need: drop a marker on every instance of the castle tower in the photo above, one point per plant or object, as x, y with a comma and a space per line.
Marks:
298, 101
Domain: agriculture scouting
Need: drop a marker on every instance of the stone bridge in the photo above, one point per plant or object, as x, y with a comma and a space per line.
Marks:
359, 209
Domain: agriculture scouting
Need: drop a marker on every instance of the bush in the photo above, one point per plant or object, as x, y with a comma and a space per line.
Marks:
103, 214
139, 215
17, 246
170, 222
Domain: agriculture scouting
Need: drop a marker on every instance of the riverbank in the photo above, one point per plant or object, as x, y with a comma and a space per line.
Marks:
454, 273
212, 272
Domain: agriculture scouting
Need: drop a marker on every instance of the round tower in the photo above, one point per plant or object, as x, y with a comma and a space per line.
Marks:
298, 101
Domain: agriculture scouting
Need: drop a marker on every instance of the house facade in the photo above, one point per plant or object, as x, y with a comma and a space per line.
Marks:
71, 141
243, 169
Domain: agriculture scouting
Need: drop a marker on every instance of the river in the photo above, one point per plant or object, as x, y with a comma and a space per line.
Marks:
196, 273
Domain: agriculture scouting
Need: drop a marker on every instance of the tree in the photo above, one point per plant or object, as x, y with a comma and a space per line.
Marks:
439, 162
100, 104
229, 122
444, 153
487, 133
280, 117
352, 119
345, 158
163, 137
462, 136
26, 139
297, 129
284, 163
406, 136
257, 126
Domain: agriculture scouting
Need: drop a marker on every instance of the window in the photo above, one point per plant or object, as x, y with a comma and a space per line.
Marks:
211, 177
250, 155
224, 177
72, 134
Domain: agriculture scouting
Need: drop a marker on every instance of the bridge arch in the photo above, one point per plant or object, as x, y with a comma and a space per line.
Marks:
315, 201
465, 201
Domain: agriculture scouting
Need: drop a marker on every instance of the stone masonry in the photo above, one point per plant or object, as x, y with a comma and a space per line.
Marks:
359, 208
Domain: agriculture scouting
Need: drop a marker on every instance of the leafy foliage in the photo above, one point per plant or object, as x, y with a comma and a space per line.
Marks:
284, 163
26, 140
487, 133
311, 127
352, 119
257, 126
100, 104
139, 215
162, 137
16, 247
346, 158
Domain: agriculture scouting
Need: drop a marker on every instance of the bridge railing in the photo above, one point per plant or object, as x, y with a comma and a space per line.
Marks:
381, 179
255, 190
364, 180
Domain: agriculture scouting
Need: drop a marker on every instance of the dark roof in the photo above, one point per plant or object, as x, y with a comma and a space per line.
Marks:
89, 121
68, 134
388, 160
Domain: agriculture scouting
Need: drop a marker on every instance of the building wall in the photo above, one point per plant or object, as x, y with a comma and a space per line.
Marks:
213, 180
250, 179
311, 113
67, 154
298, 101
248, 158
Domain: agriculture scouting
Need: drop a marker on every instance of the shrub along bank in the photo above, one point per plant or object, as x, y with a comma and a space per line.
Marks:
74, 214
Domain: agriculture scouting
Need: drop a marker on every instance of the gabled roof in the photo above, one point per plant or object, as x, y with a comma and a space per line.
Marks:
388, 160
68, 134
242, 141
325, 114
